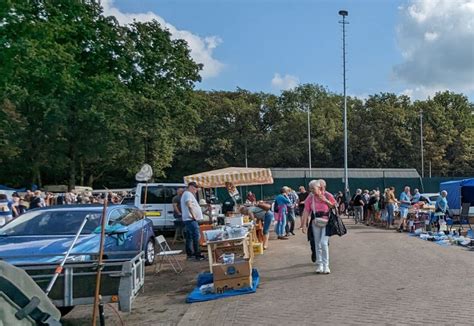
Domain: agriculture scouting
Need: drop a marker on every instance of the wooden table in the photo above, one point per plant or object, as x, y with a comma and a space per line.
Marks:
245, 241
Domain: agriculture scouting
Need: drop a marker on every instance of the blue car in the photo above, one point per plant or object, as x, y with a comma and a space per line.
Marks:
44, 235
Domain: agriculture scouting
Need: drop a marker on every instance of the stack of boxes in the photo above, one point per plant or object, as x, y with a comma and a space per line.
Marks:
237, 275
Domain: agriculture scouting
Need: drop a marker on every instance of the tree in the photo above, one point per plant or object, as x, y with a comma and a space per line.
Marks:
86, 90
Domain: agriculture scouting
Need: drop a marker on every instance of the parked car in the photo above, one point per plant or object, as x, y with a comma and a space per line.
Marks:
159, 206
430, 197
45, 234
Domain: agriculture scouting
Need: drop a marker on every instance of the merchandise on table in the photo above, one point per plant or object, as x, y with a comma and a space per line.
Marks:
214, 235
227, 258
237, 220
225, 233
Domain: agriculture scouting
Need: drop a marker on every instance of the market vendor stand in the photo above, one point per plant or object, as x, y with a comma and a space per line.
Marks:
242, 244
419, 217
235, 274
236, 175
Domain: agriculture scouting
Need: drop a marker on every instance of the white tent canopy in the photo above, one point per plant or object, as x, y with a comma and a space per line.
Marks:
238, 176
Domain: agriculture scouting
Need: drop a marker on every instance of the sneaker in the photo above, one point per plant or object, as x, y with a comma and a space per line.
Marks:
189, 257
313, 257
326, 270
319, 269
201, 257
292, 233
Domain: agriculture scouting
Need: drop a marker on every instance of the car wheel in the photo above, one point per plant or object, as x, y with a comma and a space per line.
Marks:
65, 310
150, 252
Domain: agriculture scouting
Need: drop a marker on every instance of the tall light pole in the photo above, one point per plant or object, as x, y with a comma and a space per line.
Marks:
344, 13
246, 158
421, 144
309, 139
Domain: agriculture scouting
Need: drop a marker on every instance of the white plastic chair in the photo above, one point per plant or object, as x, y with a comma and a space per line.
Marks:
168, 254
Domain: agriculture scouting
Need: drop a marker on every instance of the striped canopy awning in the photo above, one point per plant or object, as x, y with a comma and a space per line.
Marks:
238, 176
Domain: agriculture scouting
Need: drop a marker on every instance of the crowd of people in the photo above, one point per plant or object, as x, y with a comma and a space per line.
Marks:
379, 208
19, 203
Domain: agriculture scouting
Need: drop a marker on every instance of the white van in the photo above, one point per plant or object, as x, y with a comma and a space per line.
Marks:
159, 207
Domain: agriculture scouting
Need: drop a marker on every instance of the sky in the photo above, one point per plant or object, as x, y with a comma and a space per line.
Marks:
412, 47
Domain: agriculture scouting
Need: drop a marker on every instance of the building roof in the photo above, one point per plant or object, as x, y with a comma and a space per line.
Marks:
282, 173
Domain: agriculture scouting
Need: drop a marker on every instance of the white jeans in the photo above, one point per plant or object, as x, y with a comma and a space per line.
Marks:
321, 245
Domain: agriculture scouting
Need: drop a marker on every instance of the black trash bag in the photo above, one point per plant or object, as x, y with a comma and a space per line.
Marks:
335, 225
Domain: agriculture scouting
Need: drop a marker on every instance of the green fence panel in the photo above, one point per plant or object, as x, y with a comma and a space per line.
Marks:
268, 192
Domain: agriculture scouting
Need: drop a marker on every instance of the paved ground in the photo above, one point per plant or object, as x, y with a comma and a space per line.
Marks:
378, 277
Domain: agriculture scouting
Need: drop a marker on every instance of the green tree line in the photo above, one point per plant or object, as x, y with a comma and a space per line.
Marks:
86, 101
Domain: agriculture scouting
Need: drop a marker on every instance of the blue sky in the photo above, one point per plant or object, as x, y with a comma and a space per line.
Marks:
246, 43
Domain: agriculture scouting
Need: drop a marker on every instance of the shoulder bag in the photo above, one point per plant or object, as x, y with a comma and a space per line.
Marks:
335, 225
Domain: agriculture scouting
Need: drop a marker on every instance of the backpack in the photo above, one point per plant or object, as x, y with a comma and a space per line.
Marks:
275, 206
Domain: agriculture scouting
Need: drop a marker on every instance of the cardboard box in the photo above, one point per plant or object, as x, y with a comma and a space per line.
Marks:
221, 286
238, 269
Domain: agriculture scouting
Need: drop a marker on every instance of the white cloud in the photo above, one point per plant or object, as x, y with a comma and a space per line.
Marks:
284, 82
201, 47
436, 39
422, 93
429, 36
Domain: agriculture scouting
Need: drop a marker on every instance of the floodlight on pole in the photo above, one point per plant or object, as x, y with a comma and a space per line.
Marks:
309, 138
344, 13
421, 145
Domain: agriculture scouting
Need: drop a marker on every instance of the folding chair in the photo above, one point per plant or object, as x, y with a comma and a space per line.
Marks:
463, 216
168, 254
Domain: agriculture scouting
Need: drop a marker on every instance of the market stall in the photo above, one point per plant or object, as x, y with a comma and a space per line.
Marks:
231, 244
420, 217
459, 191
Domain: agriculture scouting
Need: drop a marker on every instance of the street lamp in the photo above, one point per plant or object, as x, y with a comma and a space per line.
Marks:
421, 145
344, 13
309, 139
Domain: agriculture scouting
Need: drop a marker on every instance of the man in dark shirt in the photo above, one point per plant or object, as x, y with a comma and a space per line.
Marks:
179, 224
36, 200
358, 206
302, 195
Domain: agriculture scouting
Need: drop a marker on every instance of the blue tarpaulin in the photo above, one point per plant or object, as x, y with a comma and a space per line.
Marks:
206, 278
456, 190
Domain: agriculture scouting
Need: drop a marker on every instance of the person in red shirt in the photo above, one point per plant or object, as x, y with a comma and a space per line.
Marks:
251, 197
316, 210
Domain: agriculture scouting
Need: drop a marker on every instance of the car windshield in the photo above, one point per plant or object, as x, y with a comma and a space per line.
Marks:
52, 222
